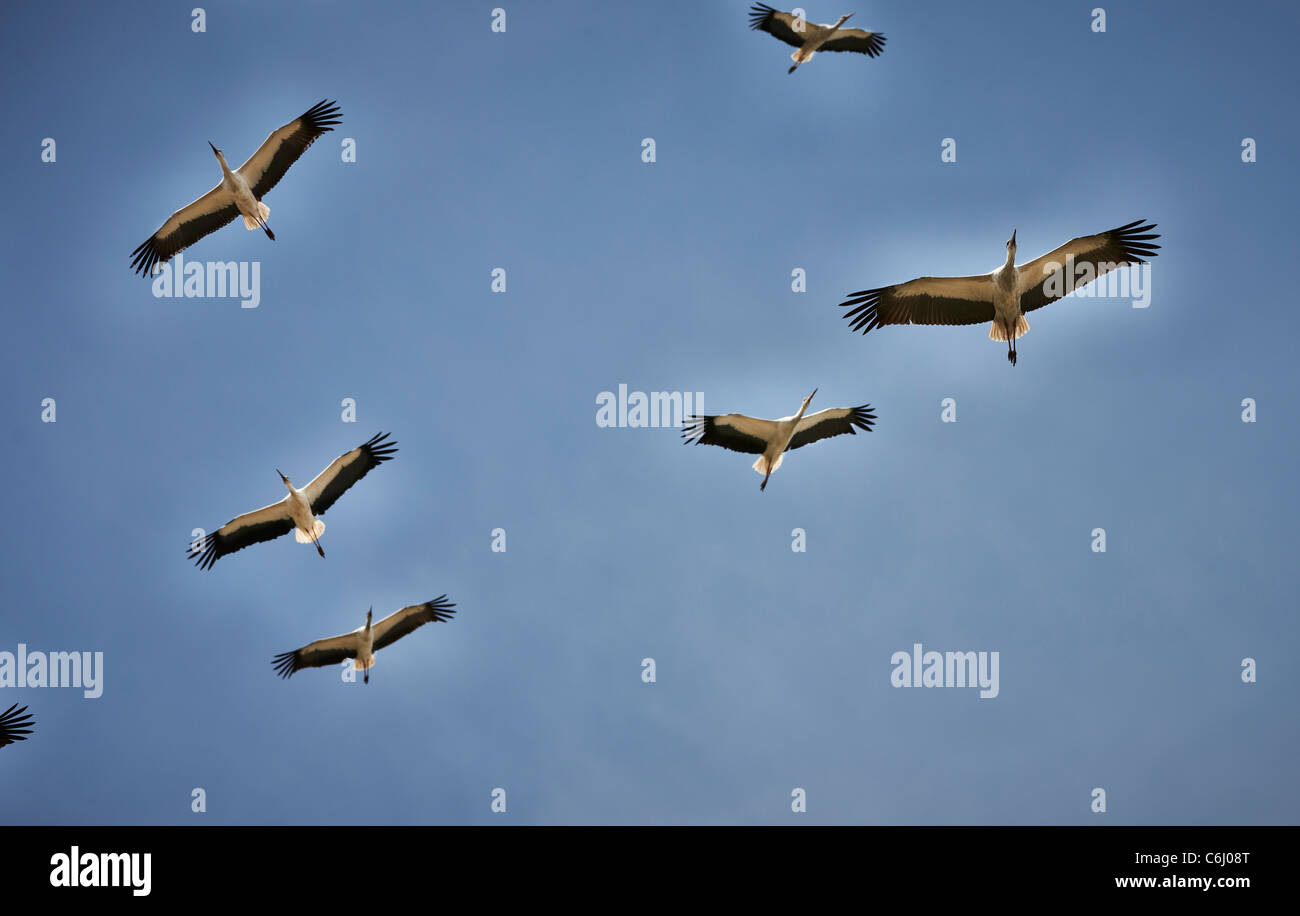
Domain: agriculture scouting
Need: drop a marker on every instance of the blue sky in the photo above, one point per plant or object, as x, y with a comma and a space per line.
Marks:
522, 150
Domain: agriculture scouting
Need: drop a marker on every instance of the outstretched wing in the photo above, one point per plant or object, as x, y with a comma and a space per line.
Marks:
281, 149
399, 623
734, 431
346, 470
318, 654
925, 300
1104, 252
834, 421
859, 40
183, 228
786, 26
14, 725
265, 524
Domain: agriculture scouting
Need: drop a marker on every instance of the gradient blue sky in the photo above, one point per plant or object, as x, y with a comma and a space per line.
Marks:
521, 150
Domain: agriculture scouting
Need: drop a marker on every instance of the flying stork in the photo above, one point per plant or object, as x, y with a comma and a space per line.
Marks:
809, 38
1005, 295
296, 512
240, 192
14, 726
363, 642
771, 439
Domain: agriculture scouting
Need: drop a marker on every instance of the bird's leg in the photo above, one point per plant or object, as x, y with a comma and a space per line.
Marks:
763, 485
319, 549
267, 229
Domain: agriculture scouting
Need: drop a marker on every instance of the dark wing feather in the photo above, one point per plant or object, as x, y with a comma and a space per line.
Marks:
346, 470
859, 40
776, 23
182, 229
268, 165
706, 431
861, 417
436, 611
264, 524
925, 300
1107, 251
286, 663
14, 725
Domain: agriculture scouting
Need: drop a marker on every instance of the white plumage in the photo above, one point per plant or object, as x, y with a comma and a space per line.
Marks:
296, 512
771, 439
808, 37
240, 192
1007, 293
363, 642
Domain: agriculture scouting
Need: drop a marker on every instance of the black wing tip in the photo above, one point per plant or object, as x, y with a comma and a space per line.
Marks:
378, 449
696, 428
864, 312
442, 608
206, 553
875, 45
146, 256
1136, 238
862, 417
284, 664
759, 13
15, 724
323, 115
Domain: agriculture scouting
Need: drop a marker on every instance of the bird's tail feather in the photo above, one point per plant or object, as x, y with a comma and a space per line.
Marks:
263, 212
998, 332
761, 465
302, 538
359, 665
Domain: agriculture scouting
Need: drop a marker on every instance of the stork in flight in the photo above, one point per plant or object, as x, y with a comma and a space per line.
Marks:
14, 725
809, 38
363, 642
240, 192
771, 439
296, 512
1005, 295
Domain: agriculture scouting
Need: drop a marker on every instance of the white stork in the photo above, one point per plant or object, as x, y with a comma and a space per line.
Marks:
1005, 295
363, 642
809, 38
771, 439
240, 191
14, 726
296, 512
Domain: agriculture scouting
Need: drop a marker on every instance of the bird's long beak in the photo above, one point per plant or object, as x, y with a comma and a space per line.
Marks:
1013, 236
848, 17
815, 390
214, 149
282, 477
